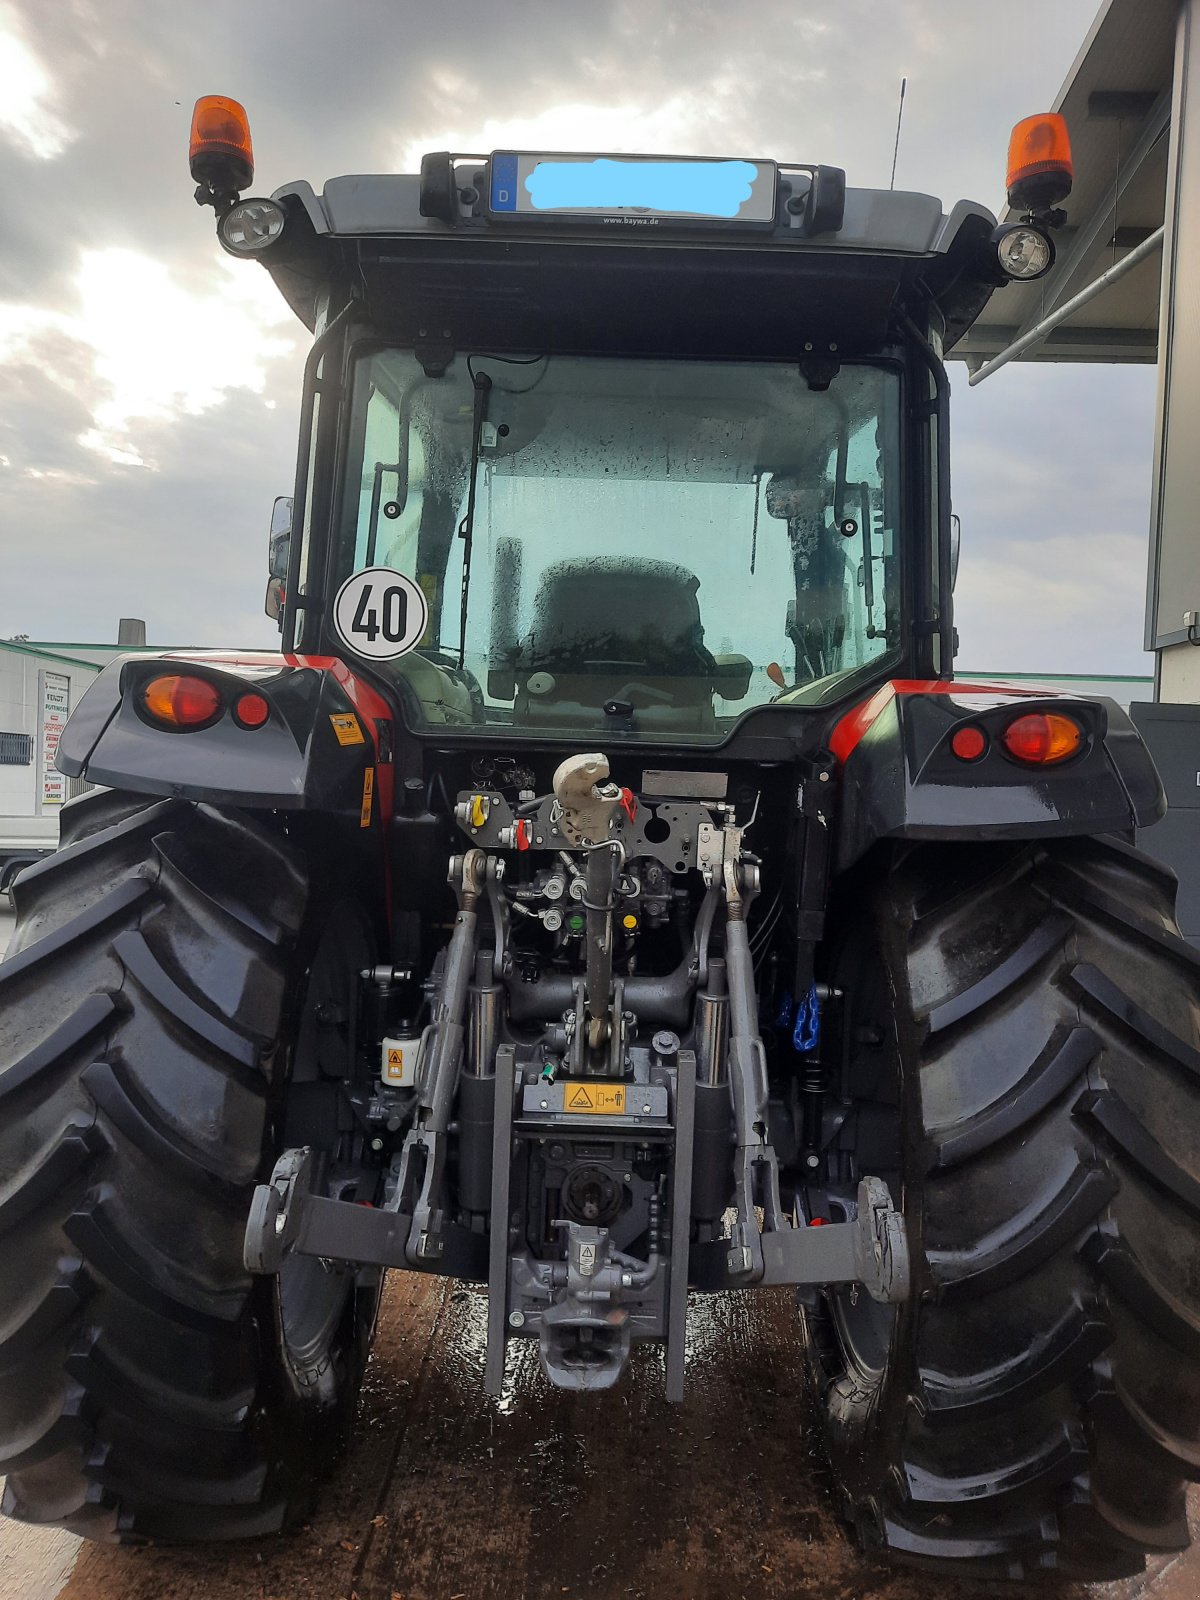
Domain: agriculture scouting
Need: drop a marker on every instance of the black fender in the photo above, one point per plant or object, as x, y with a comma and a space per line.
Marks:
900, 779
326, 745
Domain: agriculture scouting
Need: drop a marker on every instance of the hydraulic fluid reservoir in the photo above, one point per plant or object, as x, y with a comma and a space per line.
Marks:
399, 1060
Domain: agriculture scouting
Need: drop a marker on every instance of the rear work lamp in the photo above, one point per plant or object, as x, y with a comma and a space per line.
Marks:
1023, 252
251, 226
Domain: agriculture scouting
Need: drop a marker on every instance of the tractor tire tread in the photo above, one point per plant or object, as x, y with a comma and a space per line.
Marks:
1043, 1419
138, 1396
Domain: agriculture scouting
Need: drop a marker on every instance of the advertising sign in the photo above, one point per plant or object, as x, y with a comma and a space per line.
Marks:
56, 707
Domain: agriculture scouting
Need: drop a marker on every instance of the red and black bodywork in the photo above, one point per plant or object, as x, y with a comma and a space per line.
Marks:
892, 772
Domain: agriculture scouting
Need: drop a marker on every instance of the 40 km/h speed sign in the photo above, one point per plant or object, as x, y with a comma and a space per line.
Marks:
380, 613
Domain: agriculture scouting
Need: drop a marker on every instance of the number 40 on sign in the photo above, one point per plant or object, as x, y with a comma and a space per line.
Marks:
380, 613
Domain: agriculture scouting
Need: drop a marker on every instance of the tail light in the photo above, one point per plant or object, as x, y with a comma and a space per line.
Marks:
968, 743
1040, 738
251, 710
182, 701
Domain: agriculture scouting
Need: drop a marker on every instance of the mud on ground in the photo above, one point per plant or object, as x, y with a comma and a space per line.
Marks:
447, 1495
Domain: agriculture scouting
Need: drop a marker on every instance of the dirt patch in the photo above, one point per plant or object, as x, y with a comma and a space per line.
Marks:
447, 1495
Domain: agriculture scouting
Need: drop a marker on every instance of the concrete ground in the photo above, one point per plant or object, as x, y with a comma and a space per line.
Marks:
447, 1495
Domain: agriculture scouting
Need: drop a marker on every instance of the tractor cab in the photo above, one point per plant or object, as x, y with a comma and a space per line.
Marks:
643, 447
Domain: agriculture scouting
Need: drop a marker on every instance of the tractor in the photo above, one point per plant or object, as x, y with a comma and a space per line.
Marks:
608, 895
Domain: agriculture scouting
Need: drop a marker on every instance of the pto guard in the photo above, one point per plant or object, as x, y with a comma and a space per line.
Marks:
327, 736
900, 779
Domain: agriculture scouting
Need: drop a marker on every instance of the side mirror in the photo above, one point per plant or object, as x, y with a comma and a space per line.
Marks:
732, 677
273, 604
280, 547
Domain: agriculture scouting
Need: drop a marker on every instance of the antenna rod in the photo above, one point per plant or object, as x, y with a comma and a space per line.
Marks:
899, 120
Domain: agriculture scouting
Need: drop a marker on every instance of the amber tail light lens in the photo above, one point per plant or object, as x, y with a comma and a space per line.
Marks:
181, 701
1041, 738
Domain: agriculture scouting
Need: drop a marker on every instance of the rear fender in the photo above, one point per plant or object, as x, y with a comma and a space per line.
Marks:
325, 747
900, 779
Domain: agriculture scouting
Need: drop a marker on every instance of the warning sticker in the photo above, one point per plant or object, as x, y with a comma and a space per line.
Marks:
347, 728
605, 1099
364, 820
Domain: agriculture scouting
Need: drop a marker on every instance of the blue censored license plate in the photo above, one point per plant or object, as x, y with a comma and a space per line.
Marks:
632, 189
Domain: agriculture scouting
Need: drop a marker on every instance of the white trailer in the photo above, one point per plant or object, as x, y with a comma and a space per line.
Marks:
39, 687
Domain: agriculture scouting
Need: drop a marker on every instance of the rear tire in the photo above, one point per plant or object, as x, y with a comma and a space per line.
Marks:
1022, 1045
153, 1001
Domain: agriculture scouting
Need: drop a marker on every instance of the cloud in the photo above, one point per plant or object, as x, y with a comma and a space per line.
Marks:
28, 102
136, 346
184, 547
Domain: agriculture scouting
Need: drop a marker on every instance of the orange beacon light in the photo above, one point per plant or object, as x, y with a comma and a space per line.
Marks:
1040, 170
220, 153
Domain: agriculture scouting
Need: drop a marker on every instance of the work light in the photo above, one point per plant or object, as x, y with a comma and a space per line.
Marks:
1024, 252
250, 226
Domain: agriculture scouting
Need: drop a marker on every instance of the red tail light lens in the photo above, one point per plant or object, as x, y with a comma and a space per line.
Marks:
1042, 737
182, 702
251, 710
968, 744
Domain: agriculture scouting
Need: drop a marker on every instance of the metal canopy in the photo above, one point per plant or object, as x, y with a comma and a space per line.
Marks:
1117, 102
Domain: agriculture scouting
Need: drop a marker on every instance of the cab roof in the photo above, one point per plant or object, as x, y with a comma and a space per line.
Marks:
818, 263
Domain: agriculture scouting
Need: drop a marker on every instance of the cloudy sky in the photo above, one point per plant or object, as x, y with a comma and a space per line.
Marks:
149, 383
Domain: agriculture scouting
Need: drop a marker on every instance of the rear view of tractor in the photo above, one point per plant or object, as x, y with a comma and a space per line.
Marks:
608, 893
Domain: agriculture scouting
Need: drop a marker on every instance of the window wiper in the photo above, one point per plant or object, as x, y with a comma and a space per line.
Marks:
864, 503
466, 528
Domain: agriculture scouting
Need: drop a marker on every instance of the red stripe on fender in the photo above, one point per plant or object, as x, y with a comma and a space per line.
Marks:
850, 728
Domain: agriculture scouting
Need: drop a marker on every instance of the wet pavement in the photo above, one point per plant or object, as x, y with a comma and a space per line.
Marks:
447, 1495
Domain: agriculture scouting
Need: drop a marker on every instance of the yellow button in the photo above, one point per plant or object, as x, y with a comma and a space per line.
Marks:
479, 811
629, 921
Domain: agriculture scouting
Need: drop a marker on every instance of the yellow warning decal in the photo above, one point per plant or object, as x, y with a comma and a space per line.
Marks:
347, 728
364, 820
605, 1099
395, 1061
